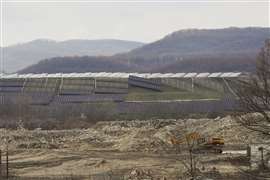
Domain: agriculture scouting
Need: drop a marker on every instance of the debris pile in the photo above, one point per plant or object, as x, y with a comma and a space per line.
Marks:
128, 136
139, 174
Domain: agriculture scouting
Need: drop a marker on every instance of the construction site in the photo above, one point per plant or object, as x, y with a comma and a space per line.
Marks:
149, 149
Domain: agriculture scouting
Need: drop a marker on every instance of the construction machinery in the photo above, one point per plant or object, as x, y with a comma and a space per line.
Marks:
200, 144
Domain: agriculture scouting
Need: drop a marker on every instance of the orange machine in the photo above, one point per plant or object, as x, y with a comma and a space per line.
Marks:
202, 145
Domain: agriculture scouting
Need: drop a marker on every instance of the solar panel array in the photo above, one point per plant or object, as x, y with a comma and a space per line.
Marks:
75, 86
11, 86
104, 86
48, 89
145, 83
111, 86
64, 99
120, 75
179, 83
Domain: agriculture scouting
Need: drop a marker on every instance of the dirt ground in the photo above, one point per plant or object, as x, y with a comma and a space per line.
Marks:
124, 150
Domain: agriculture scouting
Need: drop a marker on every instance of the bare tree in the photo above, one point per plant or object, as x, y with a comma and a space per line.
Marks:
186, 145
192, 158
254, 95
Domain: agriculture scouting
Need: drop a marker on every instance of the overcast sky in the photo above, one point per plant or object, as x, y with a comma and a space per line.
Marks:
138, 21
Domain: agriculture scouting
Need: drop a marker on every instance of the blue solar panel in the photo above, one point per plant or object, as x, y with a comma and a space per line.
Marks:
10, 89
40, 98
74, 92
144, 83
110, 91
87, 98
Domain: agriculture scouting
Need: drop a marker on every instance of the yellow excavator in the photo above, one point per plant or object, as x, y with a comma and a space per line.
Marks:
200, 144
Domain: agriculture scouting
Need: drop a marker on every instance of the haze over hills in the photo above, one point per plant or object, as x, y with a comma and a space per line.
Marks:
78, 64
22, 55
193, 43
229, 49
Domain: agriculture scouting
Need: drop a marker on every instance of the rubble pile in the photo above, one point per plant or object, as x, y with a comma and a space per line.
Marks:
130, 136
142, 174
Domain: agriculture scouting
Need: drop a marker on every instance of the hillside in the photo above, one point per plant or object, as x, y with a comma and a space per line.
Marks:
194, 43
230, 49
77, 64
211, 64
22, 55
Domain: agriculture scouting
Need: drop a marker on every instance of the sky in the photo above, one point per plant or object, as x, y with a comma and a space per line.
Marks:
144, 21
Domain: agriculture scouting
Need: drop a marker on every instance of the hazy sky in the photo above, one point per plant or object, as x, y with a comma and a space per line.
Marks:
139, 21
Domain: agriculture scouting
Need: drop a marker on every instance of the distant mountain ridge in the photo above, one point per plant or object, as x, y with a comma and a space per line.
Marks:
22, 55
205, 42
210, 50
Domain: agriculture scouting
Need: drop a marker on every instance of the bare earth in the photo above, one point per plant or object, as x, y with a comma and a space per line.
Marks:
124, 150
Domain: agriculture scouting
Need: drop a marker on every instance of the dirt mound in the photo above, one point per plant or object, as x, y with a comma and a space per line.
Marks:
137, 174
140, 136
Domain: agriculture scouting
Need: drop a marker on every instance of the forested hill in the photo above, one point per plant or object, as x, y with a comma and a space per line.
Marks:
194, 43
229, 49
20, 56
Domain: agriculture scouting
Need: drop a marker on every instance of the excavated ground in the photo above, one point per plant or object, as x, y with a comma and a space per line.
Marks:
125, 150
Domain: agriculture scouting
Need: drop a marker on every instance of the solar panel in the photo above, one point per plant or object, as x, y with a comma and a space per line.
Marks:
215, 74
10, 89
107, 75
146, 75
227, 74
167, 75
87, 98
201, 75
144, 83
179, 75
190, 75
141, 75
155, 75
10, 76
237, 74
110, 90
43, 75
121, 75
40, 98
